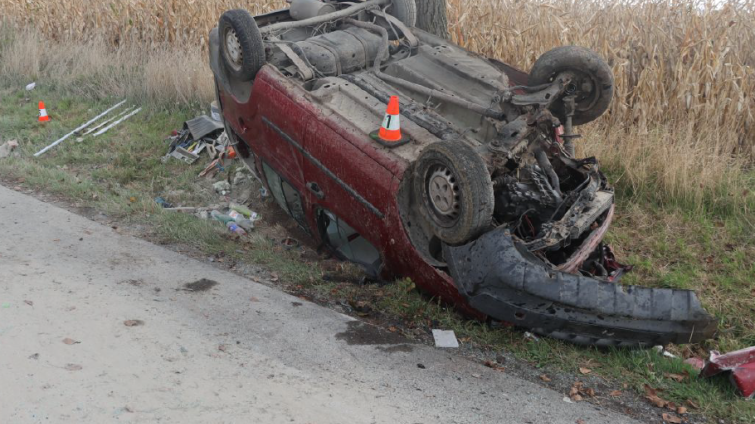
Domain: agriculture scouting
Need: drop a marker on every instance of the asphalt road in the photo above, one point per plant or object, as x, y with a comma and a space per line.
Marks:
240, 352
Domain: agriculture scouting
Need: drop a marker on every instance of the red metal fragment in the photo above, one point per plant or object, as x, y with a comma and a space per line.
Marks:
741, 363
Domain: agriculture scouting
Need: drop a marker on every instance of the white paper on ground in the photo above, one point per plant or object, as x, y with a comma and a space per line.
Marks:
445, 338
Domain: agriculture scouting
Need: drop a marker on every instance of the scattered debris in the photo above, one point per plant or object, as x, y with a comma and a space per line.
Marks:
494, 365
34, 356
84, 125
421, 366
31, 86
584, 371
545, 378
289, 243
7, 147
73, 367
203, 284
162, 202
29, 302
133, 323
445, 338
222, 187
530, 336
578, 391
695, 362
70, 341
662, 350
740, 363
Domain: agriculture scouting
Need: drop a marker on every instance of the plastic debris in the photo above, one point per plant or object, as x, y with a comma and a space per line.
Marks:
445, 338
241, 209
162, 202
225, 219
31, 86
235, 228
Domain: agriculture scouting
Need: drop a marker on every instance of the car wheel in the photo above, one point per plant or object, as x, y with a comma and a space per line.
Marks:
593, 85
241, 45
405, 11
456, 193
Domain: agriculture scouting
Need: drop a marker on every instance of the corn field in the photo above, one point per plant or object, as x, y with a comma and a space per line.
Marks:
685, 70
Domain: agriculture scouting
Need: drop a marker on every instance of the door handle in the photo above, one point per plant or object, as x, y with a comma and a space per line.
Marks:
316, 190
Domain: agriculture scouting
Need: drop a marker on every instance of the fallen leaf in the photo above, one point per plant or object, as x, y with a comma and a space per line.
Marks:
573, 391
133, 322
681, 410
655, 400
589, 392
392, 329
132, 199
29, 302
70, 341
494, 365
693, 404
223, 348
73, 367
545, 378
585, 370
676, 377
671, 419
615, 393
576, 398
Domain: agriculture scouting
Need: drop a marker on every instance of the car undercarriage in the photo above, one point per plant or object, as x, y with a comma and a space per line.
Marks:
485, 191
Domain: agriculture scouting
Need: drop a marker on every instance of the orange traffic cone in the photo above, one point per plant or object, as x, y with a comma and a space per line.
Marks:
43, 113
390, 131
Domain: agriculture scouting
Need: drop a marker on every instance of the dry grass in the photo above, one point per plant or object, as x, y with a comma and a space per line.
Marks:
680, 127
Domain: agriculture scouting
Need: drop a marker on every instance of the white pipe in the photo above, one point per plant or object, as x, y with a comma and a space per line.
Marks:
88, 123
102, 131
107, 121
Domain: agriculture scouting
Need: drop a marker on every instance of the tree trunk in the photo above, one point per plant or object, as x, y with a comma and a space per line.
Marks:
431, 17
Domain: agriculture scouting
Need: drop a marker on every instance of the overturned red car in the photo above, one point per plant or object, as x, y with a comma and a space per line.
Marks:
481, 201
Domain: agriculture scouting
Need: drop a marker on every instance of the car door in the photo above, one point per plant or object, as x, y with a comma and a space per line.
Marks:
350, 193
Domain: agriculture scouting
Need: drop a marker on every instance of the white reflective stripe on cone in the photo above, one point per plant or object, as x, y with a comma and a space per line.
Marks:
392, 122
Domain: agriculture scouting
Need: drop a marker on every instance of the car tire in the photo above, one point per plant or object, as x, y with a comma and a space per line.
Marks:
241, 48
594, 91
405, 11
455, 191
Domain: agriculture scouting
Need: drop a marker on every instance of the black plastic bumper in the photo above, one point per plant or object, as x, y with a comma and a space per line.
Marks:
508, 283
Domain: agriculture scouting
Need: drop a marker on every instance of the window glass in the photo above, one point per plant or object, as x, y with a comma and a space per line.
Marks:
348, 243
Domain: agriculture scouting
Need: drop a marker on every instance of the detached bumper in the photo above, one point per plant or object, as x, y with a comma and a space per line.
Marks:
506, 282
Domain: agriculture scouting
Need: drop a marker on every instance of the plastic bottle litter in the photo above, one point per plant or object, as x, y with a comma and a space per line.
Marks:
225, 219
241, 220
241, 209
234, 228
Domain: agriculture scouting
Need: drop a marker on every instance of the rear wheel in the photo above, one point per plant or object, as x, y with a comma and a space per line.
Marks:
405, 11
455, 191
592, 85
241, 47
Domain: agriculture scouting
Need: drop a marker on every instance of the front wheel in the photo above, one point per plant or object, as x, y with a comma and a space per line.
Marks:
455, 191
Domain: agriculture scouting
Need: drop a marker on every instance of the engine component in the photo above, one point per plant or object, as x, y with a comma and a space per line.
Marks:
341, 52
305, 9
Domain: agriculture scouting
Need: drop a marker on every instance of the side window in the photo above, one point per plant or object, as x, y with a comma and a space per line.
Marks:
348, 243
285, 195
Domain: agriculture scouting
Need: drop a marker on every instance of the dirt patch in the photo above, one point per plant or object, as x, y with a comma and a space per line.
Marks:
360, 333
200, 285
397, 348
